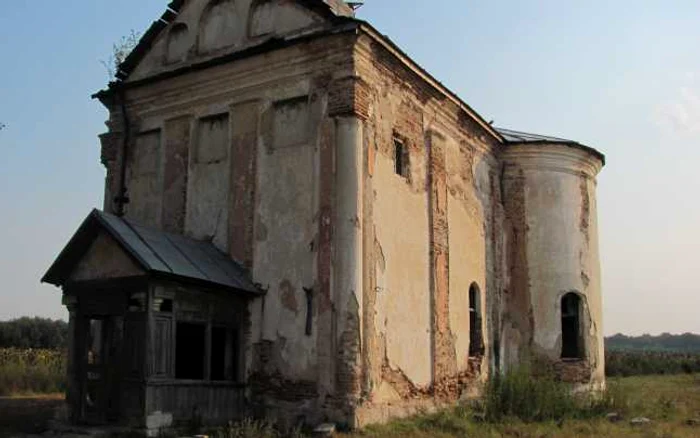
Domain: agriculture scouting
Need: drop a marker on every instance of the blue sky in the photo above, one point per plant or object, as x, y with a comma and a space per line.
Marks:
621, 76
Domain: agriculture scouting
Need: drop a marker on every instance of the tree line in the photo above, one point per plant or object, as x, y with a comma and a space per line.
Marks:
35, 332
666, 342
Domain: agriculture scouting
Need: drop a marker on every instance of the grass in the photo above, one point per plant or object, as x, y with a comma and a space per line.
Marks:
516, 405
669, 401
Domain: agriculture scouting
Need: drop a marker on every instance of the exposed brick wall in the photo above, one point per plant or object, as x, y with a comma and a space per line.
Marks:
517, 295
447, 388
445, 360
585, 206
414, 106
347, 367
349, 97
111, 146
573, 371
278, 387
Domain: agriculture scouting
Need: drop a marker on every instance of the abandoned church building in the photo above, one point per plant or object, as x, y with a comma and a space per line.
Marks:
301, 223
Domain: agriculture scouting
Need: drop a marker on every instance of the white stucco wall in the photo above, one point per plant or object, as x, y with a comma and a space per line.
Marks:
562, 242
467, 266
284, 231
403, 287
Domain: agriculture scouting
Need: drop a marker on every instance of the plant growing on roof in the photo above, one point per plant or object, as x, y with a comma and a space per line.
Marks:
120, 51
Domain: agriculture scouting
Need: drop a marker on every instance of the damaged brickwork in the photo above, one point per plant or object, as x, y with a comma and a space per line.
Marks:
445, 361
518, 318
404, 249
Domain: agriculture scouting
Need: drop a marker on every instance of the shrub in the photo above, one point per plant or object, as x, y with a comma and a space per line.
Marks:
521, 395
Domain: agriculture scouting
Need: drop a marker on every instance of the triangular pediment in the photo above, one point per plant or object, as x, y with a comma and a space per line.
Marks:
105, 259
197, 30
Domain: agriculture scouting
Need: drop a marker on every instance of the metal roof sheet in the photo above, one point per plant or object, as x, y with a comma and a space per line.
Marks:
523, 137
157, 252
518, 137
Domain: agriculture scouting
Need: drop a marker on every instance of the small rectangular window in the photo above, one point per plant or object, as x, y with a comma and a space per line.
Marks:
400, 158
224, 346
137, 302
190, 340
163, 305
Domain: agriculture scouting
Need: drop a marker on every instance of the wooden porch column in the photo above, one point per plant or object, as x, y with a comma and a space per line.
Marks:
72, 382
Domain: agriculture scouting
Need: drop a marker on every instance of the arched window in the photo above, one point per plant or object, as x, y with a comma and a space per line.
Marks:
476, 340
571, 333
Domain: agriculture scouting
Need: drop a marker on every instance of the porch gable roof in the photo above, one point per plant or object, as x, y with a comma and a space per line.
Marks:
157, 252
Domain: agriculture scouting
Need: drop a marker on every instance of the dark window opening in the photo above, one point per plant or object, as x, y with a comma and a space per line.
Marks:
400, 158
224, 357
476, 341
163, 305
190, 340
572, 344
166, 306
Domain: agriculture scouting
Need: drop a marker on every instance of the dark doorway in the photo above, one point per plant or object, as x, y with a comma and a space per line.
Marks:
98, 379
572, 344
476, 341
224, 357
190, 354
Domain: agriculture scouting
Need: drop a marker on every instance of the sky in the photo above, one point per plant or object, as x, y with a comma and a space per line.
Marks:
622, 76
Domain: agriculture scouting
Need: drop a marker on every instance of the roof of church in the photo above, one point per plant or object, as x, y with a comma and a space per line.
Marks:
523, 137
518, 137
156, 252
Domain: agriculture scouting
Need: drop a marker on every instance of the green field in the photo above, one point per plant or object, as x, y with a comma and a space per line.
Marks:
670, 402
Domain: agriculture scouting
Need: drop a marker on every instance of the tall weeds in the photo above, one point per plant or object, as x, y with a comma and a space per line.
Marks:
28, 371
533, 397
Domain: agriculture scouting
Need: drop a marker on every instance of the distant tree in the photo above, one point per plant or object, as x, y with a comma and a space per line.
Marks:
33, 333
2, 126
120, 51
687, 342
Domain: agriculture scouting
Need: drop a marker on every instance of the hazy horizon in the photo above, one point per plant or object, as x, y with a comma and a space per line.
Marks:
622, 77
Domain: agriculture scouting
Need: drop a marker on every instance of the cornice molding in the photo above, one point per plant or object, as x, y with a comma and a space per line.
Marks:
552, 157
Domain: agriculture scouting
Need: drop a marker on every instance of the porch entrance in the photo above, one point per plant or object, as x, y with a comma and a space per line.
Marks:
157, 326
99, 356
